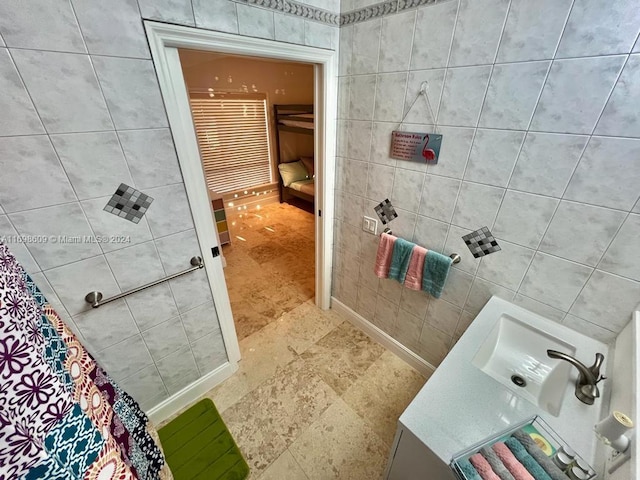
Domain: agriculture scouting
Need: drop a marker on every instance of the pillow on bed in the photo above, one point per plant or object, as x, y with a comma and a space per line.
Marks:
292, 172
308, 164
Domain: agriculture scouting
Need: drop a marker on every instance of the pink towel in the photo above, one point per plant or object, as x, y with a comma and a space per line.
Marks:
413, 280
383, 257
483, 467
516, 469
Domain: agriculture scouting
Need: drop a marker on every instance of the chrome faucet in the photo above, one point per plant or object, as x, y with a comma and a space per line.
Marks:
586, 385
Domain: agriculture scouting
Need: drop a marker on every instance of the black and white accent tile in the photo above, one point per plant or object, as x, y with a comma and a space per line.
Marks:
385, 211
128, 203
481, 242
298, 9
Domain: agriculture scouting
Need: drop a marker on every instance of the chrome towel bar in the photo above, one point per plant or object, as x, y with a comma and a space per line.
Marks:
454, 256
95, 298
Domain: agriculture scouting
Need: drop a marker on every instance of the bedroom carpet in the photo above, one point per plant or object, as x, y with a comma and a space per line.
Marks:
270, 264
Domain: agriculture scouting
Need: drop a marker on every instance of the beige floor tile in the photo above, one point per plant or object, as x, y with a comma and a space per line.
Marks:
305, 325
272, 416
271, 271
340, 445
284, 468
262, 353
247, 320
342, 356
383, 392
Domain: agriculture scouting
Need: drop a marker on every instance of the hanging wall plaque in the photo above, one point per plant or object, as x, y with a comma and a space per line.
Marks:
415, 147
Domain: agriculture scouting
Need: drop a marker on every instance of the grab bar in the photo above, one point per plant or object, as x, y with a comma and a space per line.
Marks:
95, 298
454, 256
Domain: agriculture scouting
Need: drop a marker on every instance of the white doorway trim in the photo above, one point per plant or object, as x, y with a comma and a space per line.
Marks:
164, 41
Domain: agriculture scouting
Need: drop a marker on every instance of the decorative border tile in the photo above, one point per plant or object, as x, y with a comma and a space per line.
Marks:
295, 8
367, 13
383, 8
309, 12
406, 4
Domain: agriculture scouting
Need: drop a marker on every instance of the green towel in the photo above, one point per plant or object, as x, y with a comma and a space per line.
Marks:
470, 473
400, 259
198, 446
435, 272
536, 452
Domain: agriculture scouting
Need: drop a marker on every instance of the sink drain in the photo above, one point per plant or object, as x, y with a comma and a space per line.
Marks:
518, 380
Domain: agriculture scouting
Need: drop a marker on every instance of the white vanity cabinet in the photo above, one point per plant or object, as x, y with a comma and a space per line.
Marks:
412, 459
461, 406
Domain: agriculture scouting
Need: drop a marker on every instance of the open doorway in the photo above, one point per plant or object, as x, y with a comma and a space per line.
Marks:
164, 41
254, 124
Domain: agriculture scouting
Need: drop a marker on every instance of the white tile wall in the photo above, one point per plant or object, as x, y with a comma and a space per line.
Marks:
94, 162
589, 32
15, 98
523, 39
289, 29
618, 118
172, 11
218, 15
64, 89
131, 90
541, 141
32, 158
98, 26
81, 113
41, 25
255, 22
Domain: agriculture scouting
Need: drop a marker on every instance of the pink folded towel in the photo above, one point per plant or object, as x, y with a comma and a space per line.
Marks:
483, 467
516, 469
413, 280
383, 257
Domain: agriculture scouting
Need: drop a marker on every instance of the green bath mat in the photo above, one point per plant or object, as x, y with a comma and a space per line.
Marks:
198, 446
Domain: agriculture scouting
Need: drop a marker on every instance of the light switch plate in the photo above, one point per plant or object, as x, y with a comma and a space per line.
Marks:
370, 225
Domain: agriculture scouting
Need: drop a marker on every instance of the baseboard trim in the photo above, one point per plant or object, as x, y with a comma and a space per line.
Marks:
358, 321
190, 393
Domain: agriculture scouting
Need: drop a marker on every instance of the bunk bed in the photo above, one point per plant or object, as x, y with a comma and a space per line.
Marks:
296, 177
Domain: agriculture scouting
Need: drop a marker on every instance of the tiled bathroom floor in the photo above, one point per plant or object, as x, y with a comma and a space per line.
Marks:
315, 398
270, 264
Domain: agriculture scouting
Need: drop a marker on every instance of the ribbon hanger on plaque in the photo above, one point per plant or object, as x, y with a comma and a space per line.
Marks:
416, 146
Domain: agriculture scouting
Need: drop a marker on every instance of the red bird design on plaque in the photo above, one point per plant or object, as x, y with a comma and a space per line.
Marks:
428, 154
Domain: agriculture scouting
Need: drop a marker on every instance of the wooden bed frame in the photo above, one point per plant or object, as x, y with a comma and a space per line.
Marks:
283, 112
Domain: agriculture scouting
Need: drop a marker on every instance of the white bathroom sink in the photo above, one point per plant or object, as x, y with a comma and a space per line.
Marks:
515, 354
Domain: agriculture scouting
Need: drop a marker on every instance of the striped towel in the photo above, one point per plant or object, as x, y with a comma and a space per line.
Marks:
483, 468
516, 469
527, 460
536, 452
496, 464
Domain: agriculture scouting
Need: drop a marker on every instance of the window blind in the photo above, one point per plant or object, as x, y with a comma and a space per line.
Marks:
234, 141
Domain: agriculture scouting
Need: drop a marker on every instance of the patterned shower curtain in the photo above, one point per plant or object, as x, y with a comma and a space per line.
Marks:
61, 416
